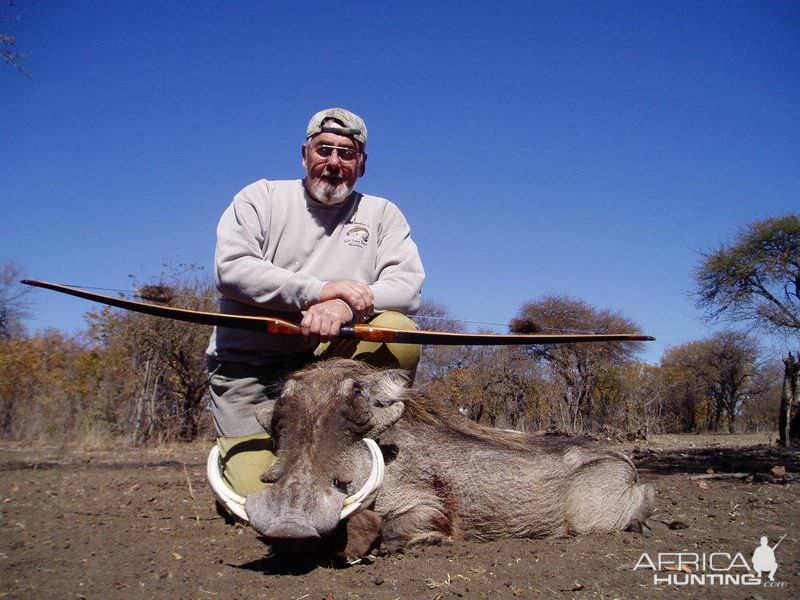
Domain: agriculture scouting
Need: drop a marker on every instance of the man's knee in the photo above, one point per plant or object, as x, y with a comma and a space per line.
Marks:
379, 354
393, 320
244, 459
401, 356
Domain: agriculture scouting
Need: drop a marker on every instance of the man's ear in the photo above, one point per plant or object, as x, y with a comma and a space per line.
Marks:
303, 155
363, 167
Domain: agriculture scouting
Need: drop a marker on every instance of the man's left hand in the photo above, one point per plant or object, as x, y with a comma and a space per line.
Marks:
322, 321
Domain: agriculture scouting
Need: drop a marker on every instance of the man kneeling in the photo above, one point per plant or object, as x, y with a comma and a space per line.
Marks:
317, 249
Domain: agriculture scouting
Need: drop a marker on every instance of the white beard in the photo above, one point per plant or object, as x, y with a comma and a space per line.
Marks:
327, 193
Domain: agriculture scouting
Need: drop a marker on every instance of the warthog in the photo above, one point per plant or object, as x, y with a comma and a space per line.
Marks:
446, 476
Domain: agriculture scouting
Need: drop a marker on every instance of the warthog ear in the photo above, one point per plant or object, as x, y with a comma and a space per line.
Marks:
383, 418
358, 411
386, 391
387, 387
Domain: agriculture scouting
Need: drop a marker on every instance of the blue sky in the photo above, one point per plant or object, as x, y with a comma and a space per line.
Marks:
592, 149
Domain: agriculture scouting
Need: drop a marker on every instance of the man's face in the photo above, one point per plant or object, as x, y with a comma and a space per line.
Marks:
332, 164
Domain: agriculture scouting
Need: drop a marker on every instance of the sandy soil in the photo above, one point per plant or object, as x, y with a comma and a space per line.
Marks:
133, 523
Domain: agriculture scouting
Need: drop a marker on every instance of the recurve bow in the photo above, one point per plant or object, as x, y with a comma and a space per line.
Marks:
364, 332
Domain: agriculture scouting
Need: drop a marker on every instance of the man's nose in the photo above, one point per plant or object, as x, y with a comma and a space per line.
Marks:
334, 160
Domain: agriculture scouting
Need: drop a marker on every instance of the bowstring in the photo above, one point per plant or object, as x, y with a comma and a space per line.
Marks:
559, 329
133, 293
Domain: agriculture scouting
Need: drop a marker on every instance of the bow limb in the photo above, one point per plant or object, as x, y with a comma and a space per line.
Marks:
363, 332
250, 323
440, 338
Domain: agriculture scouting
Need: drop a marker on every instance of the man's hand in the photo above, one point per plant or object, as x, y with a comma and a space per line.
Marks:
358, 295
322, 321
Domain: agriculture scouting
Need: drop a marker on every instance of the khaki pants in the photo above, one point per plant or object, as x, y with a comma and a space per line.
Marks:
236, 390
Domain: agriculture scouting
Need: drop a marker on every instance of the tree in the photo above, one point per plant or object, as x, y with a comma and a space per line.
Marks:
156, 367
436, 361
630, 399
712, 379
760, 412
576, 367
8, 50
493, 385
496, 385
13, 300
790, 401
757, 277
47, 386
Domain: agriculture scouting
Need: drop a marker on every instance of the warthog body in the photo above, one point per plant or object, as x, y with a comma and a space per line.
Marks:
446, 476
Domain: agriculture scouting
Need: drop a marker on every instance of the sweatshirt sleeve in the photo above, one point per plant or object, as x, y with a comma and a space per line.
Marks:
399, 268
242, 272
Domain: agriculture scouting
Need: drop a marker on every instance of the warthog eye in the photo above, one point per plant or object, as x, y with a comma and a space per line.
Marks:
340, 485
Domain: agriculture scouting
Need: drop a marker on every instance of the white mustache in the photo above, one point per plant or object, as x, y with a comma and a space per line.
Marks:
329, 192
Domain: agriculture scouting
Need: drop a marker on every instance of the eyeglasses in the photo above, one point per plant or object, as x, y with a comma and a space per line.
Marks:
345, 154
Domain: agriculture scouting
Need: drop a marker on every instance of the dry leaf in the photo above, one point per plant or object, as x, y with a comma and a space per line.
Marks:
702, 485
177, 556
778, 471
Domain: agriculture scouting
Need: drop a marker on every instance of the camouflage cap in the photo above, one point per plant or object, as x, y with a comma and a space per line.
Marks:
350, 124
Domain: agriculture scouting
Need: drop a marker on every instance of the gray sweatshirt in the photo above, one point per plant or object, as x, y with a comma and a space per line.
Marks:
277, 247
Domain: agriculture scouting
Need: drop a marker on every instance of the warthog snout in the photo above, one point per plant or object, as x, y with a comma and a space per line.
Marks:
278, 515
289, 530
275, 521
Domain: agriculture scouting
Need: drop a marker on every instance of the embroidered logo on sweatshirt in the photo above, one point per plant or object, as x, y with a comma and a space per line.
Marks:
357, 236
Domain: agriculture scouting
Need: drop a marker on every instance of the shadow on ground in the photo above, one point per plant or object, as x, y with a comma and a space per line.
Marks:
745, 459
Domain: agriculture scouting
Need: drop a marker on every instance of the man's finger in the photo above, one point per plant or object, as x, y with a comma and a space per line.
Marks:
306, 322
354, 296
335, 327
362, 297
325, 326
310, 323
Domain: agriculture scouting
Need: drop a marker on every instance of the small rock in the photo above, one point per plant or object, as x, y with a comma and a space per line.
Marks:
678, 525
577, 587
377, 580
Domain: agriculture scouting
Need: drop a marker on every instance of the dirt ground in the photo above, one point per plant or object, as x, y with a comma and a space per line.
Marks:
133, 523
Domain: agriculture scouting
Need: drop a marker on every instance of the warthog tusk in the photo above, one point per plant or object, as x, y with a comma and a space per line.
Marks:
223, 492
352, 504
364, 497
